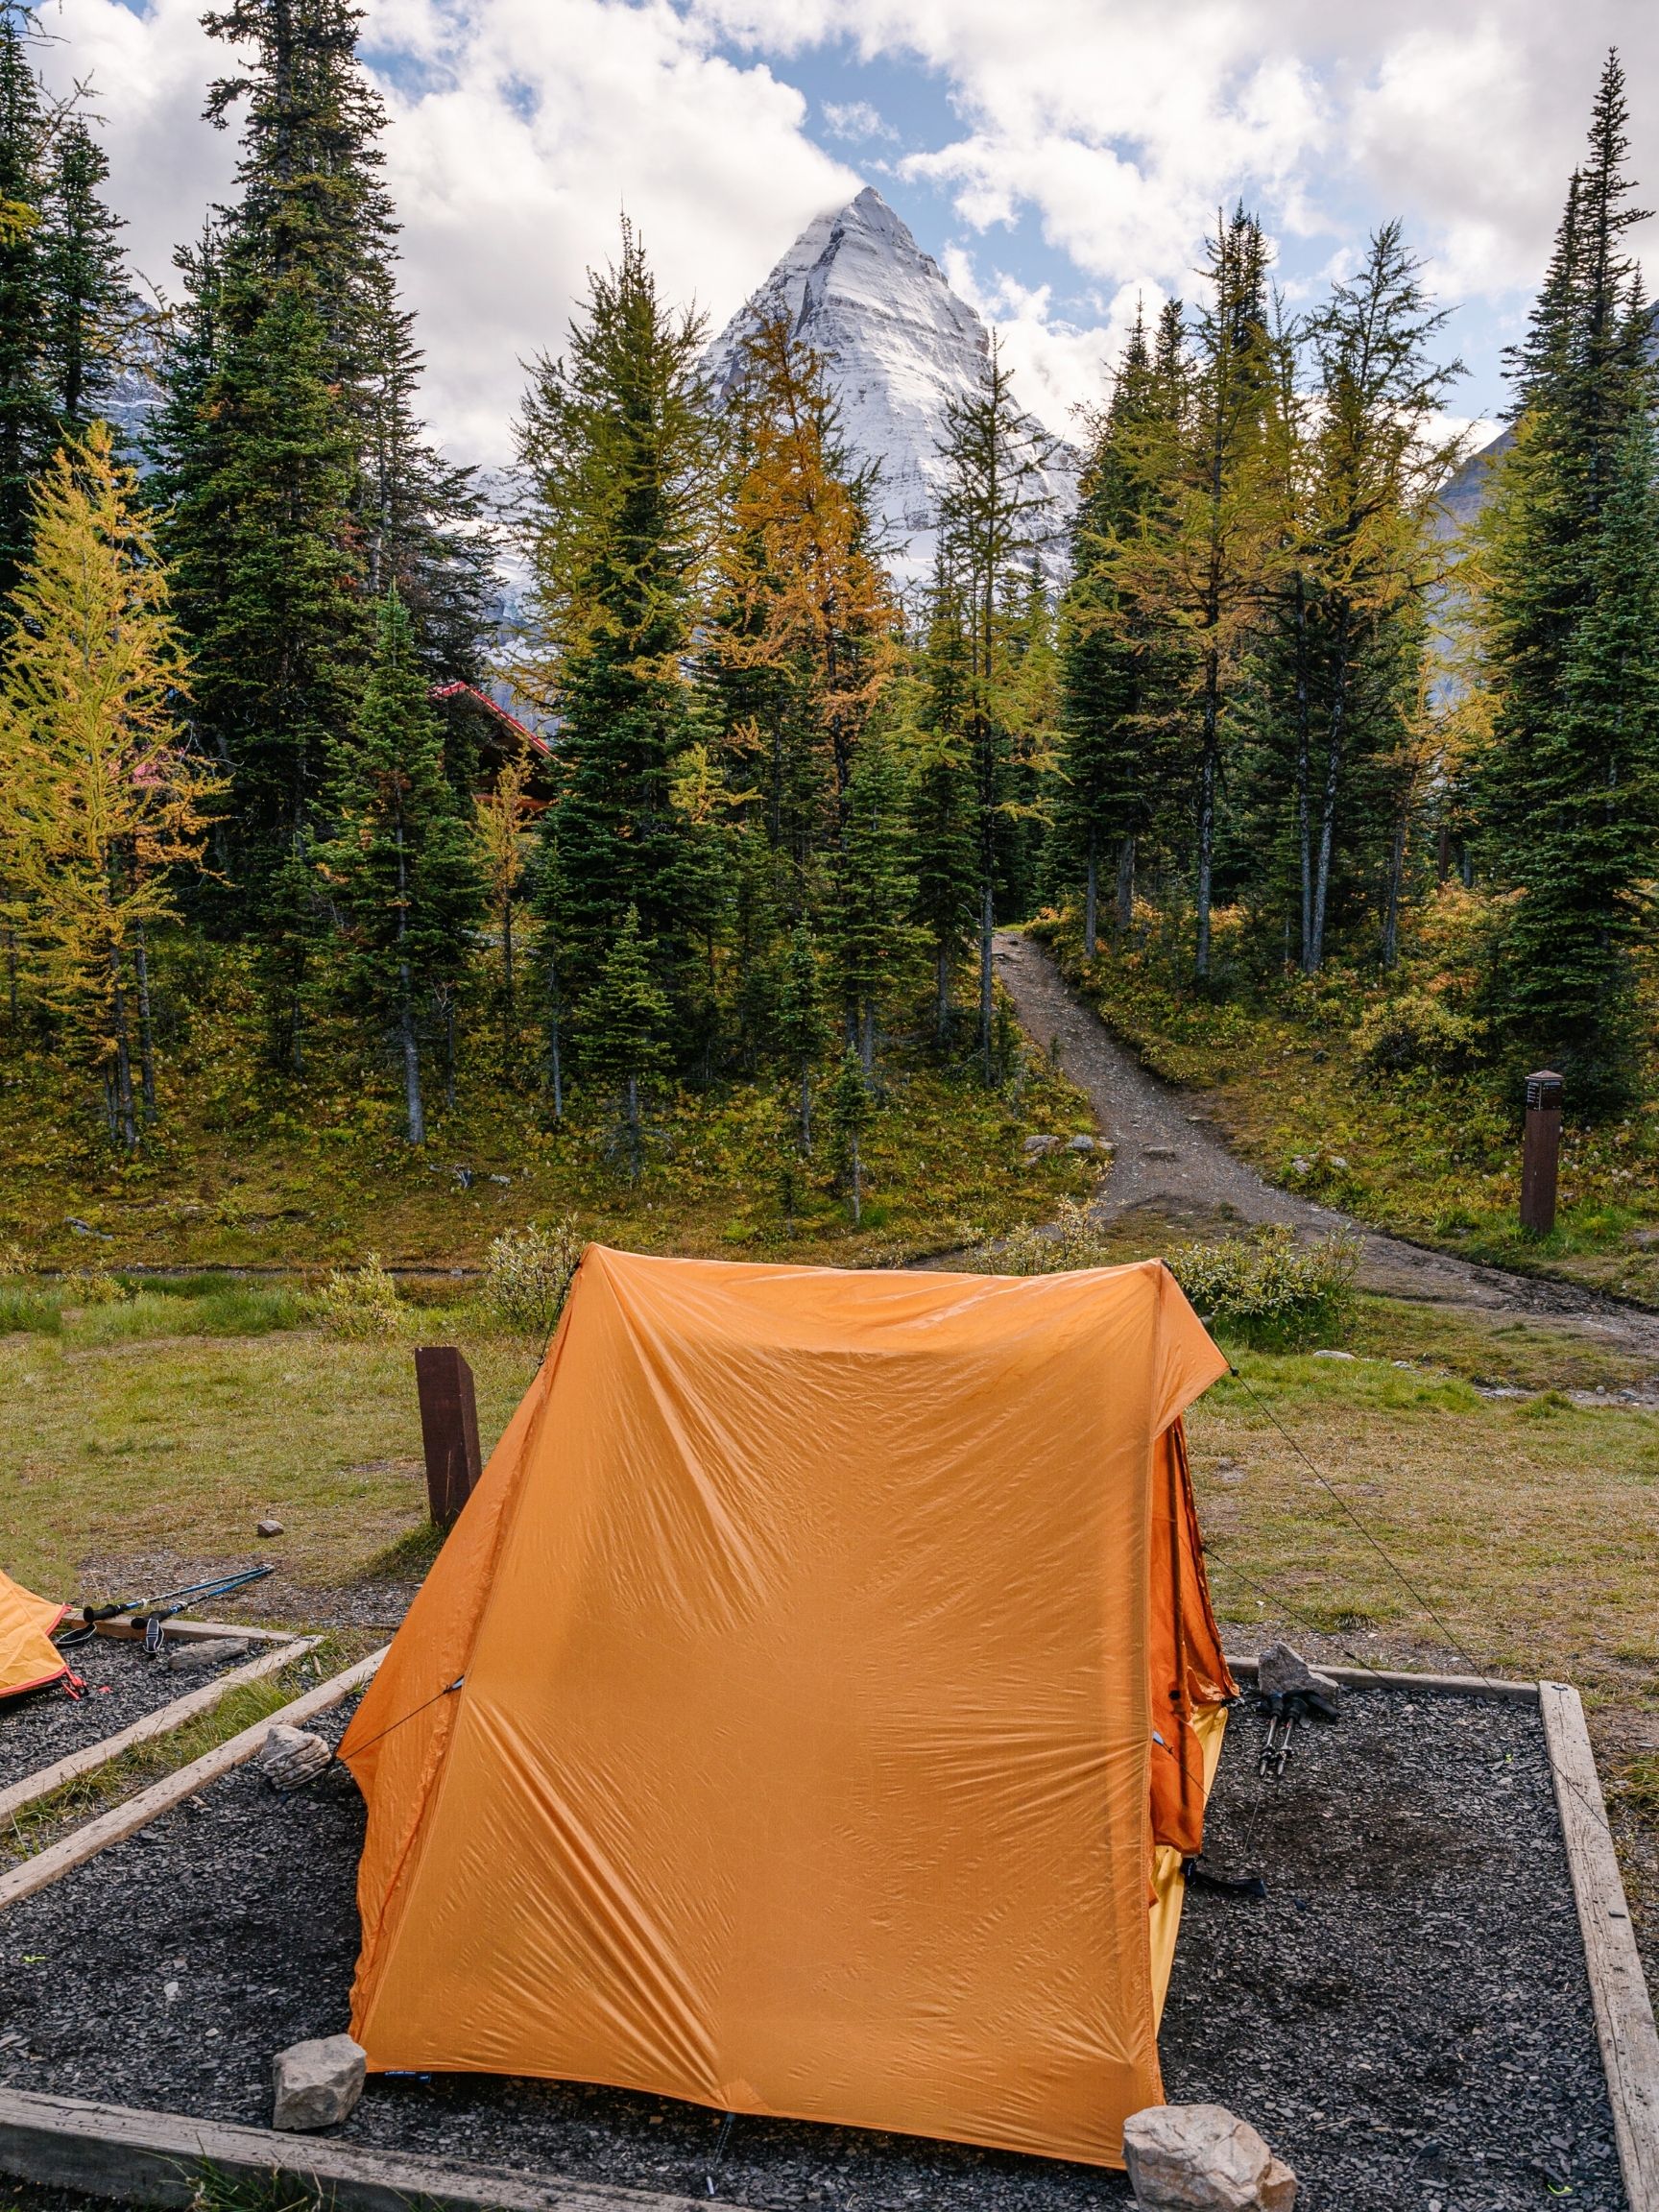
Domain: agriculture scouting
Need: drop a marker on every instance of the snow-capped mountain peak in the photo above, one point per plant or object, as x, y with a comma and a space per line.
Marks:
898, 345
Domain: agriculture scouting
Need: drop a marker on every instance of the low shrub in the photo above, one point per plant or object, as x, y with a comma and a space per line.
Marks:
91, 1287
1417, 1031
359, 1302
1269, 1293
528, 1273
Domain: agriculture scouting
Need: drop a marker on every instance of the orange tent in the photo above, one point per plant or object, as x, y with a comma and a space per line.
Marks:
808, 1712
28, 1659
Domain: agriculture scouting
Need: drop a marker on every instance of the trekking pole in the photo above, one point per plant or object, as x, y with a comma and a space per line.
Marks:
220, 1587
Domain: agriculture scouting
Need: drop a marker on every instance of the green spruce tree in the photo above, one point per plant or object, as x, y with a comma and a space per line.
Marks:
27, 425
401, 863
85, 282
623, 456
1567, 804
622, 1023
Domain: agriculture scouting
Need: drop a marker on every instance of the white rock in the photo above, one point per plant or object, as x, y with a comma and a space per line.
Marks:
288, 1757
1203, 2158
1082, 1144
1283, 1672
1036, 1147
316, 2085
1335, 1355
202, 1651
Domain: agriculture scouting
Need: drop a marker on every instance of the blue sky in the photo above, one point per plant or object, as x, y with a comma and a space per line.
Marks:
1058, 157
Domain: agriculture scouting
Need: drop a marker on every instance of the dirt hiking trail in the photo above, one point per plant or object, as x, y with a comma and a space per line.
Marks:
1170, 1163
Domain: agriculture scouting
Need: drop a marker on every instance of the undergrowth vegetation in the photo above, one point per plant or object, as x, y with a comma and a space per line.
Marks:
1363, 1092
315, 1174
1262, 1289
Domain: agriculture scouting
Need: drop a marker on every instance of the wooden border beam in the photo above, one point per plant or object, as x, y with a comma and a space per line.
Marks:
1617, 1988
1498, 1689
120, 1626
126, 1819
158, 2158
161, 1722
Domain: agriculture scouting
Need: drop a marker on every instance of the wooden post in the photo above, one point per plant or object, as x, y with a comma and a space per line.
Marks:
448, 1429
1541, 1153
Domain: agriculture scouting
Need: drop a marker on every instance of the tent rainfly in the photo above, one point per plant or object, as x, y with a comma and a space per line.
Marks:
28, 1659
811, 1709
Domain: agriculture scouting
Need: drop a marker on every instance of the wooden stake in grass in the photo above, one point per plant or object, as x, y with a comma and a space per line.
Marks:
448, 1429
1541, 1152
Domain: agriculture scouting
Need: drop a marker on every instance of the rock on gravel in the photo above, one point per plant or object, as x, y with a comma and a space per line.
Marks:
1203, 2158
317, 2083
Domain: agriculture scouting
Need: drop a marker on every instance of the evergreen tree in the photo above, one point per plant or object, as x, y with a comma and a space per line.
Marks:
99, 805
1355, 562
871, 896
993, 519
800, 1029
294, 481
1113, 765
622, 457
25, 420
942, 843
85, 286
1562, 578
623, 1022
851, 1110
401, 864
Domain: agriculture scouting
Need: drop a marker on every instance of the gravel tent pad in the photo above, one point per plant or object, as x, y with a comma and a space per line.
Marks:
1406, 2016
121, 1686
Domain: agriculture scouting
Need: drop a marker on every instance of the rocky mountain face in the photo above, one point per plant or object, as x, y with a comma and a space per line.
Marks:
898, 345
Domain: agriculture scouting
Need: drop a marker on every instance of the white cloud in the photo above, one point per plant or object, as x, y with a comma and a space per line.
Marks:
856, 119
519, 131
519, 128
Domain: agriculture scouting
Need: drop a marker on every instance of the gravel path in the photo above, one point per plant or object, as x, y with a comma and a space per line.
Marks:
122, 1685
1171, 1162
1405, 2016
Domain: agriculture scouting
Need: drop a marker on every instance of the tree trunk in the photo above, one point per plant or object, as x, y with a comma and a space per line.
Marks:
856, 1177
1314, 958
509, 1021
555, 1064
805, 1104
126, 1122
631, 1113
1092, 898
867, 1038
941, 996
1396, 882
987, 924
1125, 889
411, 1060
146, 1032
1304, 798
1206, 817
450, 1049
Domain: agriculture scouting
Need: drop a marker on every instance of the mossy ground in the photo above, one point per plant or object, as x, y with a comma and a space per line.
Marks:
252, 1167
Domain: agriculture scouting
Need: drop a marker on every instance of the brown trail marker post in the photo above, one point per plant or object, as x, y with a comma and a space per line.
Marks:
448, 1429
1541, 1152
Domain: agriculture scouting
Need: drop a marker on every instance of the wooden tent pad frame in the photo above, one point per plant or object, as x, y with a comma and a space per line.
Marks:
155, 2157
161, 1722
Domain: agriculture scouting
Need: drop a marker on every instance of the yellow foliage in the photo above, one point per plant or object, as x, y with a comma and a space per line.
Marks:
99, 802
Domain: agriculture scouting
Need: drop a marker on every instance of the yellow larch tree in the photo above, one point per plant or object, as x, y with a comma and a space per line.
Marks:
100, 804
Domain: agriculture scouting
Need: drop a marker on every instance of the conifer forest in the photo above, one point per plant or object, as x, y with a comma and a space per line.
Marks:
1260, 738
